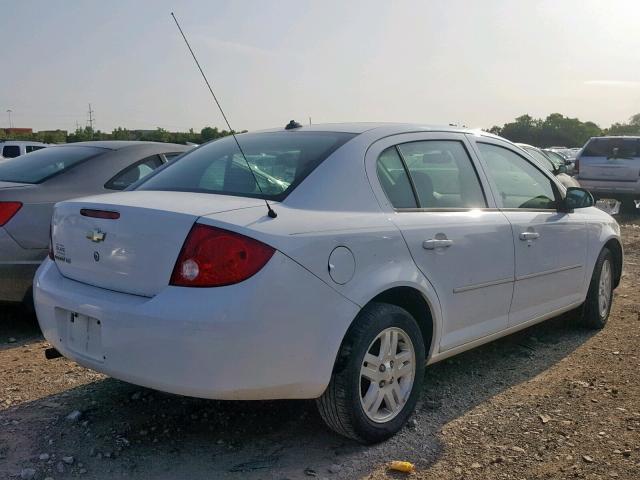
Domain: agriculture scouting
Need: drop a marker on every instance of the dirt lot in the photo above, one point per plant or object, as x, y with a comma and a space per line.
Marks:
551, 402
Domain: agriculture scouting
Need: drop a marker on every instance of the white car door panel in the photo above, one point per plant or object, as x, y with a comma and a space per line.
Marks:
550, 246
549, 266
470, 266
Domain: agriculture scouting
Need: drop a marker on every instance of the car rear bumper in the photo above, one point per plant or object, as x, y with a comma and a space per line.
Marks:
275, 335
17, 268
616, 189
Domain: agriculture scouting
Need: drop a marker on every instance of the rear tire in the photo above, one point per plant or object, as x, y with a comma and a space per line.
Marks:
378, 375
597, 306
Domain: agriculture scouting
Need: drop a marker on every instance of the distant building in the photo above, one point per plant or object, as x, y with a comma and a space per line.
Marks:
17, 131
53, 132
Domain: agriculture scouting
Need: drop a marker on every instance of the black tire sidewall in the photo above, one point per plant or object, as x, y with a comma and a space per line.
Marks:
382, 317
592, 316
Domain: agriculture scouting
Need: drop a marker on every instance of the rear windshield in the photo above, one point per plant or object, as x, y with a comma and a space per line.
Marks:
36, 167
604, 147
279, 161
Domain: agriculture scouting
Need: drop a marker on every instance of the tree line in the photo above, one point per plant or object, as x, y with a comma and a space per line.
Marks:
88, 134
561, 131
555, 130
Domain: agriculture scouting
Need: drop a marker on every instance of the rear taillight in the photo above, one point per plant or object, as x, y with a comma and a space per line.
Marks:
213, 257
576, 166
8, 210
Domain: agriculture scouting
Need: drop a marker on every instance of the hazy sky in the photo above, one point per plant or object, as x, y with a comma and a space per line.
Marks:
478, 62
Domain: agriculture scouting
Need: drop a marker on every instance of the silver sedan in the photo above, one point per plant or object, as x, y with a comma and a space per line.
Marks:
31, 184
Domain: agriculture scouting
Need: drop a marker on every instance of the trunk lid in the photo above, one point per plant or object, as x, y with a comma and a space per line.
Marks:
136, 252
6, 185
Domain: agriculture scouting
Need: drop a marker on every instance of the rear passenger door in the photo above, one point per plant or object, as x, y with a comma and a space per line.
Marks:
550, 246
463, 246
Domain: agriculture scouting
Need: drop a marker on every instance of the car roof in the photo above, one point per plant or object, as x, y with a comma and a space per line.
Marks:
631, 137
383, 128
21, 142
526, 145
114, 144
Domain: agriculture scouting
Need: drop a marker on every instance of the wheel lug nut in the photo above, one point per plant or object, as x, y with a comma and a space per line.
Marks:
391, 363
382, 368
381, 384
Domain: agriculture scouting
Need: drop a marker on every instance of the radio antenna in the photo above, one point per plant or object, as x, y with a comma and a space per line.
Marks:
270, 211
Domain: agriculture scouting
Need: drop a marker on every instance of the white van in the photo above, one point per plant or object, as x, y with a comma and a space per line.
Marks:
15, 148
609, 167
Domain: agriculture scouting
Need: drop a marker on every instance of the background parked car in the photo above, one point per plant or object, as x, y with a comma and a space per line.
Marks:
558, 168
609, 167
560, 160
12, 149
31, 185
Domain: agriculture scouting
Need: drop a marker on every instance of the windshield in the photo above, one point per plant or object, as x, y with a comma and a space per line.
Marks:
541, 158
555, 158
279, 161
604, 147
38, 166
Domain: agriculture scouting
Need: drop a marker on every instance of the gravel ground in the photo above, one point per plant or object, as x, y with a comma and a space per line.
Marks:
551, 402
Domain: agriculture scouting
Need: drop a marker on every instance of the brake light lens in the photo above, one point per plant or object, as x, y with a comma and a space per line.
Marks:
8, 210
104, 214
213, 257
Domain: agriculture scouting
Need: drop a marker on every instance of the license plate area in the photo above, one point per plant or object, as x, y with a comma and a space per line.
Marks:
81, 334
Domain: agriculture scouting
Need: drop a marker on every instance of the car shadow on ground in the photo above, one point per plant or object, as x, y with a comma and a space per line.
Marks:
126, 430
18, 327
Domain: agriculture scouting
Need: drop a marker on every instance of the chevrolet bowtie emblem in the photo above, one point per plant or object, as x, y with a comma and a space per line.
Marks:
96, 236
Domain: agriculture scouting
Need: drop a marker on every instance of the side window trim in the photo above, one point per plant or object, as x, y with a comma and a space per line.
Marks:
494, 188
408, 174
441, 209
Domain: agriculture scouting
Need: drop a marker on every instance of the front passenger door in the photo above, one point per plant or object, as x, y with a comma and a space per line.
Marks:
550, 249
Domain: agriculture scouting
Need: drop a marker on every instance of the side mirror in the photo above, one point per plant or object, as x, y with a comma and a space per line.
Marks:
562, 169
577, 198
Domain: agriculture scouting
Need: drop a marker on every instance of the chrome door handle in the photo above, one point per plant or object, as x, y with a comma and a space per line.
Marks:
524, 236
432, 244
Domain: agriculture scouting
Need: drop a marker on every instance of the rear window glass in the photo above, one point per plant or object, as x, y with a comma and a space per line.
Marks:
11, 151
604, 147
42, 164
279, 160
32, 148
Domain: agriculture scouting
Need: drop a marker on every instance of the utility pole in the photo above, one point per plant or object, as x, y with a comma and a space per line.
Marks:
91, 118
9, 111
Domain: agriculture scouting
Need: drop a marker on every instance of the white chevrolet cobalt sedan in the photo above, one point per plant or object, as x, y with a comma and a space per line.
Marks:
383, 248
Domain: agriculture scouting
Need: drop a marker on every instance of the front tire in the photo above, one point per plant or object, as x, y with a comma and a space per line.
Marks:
597, 306
378, 375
